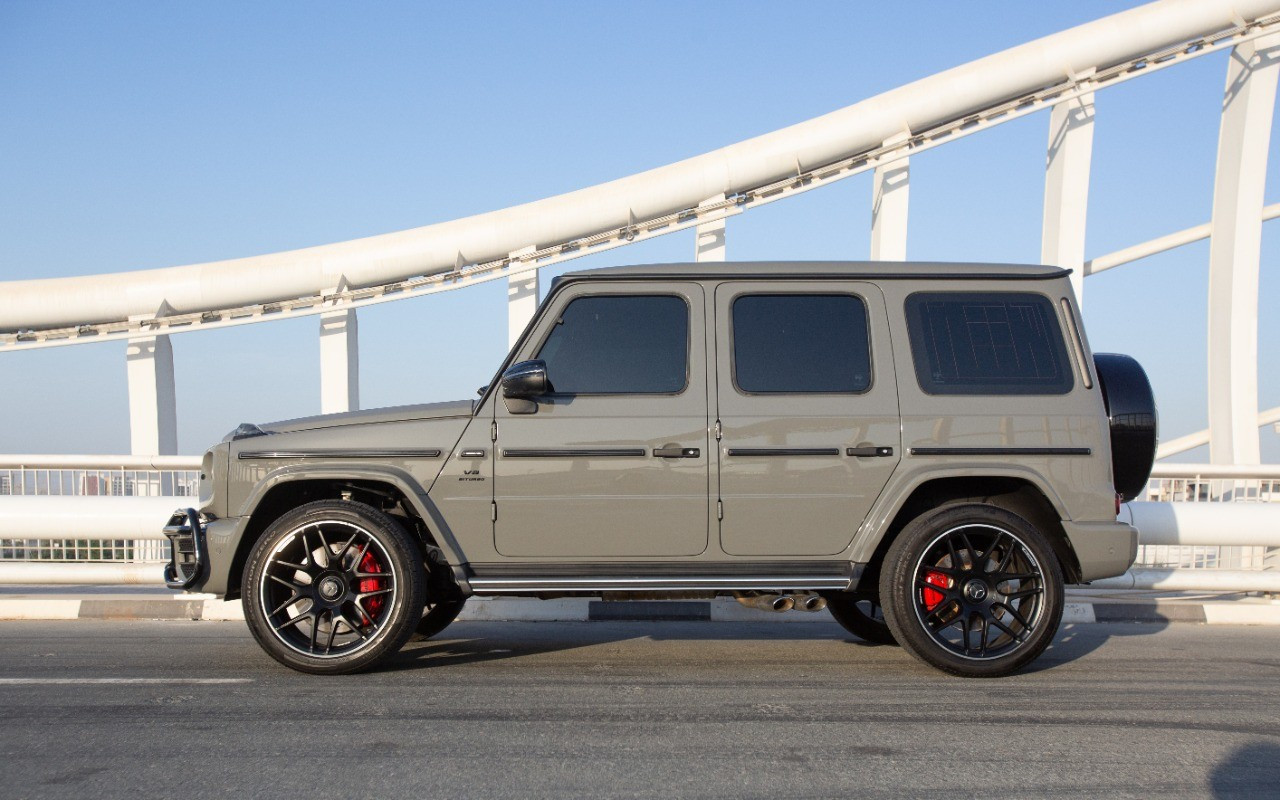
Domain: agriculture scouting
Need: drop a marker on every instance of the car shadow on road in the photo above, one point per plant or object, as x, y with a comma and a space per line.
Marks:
1251, 770
1076, 640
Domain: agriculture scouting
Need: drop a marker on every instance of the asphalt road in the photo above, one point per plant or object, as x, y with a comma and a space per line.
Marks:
630, 709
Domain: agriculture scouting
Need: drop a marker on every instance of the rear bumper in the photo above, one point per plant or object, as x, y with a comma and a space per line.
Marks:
189, 559
1104, 549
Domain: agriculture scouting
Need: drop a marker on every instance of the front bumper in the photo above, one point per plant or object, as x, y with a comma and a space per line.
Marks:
189, 560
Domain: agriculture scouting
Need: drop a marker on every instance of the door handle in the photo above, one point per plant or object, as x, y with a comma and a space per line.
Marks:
676, 452
870, 451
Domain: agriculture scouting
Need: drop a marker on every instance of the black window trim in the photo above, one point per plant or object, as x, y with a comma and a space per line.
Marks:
733, 350
906, 318
688, 344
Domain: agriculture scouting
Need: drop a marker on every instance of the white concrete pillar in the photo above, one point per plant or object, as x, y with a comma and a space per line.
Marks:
153, 403
339, 361
522, 303
1066, 187
1235, 247
890, 191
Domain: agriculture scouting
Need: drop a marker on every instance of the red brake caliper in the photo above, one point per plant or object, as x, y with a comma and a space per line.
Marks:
932, 597
373, 605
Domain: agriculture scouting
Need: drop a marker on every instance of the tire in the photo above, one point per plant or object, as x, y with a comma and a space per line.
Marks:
333, 587
438, 616
974, 590
861, 615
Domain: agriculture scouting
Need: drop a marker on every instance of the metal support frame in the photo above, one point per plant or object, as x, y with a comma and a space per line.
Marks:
1235, 247
1066, 187
522, 303
890, 193
339, 361
709, 236
153, 402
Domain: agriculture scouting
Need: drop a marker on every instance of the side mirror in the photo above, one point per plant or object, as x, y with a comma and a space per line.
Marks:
525, 380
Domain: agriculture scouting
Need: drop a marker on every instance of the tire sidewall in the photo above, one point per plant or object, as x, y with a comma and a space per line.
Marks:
897, 589
405, 612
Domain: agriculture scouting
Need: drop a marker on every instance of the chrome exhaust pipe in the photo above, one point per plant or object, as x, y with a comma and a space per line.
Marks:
766, 602
811, 602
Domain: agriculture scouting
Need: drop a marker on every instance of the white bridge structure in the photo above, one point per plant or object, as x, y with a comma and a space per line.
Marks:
1218, 514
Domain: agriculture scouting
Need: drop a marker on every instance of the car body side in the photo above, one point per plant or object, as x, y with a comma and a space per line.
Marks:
1044, 456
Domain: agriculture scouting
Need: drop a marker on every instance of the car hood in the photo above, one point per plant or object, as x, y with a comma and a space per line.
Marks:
458, 408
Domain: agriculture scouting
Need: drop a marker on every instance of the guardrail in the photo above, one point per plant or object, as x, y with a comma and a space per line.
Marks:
97, 519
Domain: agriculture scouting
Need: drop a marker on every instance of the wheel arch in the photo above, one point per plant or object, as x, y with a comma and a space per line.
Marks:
290, 487
1019, 493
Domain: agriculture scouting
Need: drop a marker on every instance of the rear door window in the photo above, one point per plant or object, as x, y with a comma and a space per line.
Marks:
800, 344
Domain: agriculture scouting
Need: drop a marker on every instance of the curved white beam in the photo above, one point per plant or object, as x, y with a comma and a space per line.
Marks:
1193, 440
666, 190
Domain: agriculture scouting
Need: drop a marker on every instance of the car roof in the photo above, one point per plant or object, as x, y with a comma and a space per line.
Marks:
782, 270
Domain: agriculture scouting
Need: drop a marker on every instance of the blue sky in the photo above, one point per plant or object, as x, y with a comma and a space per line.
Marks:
139, 135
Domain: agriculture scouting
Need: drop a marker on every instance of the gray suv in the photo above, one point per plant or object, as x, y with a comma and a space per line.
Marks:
929, 451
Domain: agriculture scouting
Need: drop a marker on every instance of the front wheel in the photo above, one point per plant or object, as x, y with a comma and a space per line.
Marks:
974, 590
333, 587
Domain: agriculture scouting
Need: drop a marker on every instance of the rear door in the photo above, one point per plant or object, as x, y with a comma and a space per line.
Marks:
808, 411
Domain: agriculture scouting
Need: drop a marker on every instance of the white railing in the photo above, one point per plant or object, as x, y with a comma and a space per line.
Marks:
1198, 519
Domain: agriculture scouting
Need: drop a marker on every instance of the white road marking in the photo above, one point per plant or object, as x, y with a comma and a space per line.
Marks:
91, 681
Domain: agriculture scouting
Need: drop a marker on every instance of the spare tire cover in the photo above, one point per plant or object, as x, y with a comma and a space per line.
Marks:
1131, 409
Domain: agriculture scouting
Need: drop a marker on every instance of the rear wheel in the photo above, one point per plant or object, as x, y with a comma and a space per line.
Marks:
974, 590
333, 587
861, 615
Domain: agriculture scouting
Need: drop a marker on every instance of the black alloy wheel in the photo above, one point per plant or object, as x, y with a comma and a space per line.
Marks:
974, 590
333, 587
860, 614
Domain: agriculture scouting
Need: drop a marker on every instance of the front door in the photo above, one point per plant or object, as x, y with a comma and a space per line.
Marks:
614, 461
808, 411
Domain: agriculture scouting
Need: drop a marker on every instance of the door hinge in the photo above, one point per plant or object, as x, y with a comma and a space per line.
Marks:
493, 431
719, 431
719, 509
493, 512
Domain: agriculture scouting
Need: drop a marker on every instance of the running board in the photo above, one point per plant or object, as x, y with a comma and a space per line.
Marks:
691, 583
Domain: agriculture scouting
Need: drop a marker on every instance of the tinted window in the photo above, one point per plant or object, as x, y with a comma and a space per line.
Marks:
987, 343
619, 345
800, 343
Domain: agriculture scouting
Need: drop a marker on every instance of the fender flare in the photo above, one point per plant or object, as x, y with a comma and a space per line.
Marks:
886, 509
399, 478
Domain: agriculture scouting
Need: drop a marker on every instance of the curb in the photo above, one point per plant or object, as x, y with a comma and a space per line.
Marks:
483, 609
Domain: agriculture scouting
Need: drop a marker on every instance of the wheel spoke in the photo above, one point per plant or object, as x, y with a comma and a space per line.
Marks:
366, 595
982, 642
1013, 612
956, 563
1008, 553
295, 587
367, 575
324, 546
354, 628
973, 553
937, 614
315, 630
294, 621
333, 631
1004, 577
1016, 636
279, 562
1021, 593
293, 599
343, 552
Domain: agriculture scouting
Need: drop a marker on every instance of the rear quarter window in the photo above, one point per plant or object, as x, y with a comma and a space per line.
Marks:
987, 343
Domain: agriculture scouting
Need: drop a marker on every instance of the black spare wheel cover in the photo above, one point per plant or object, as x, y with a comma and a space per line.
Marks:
1131, 408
